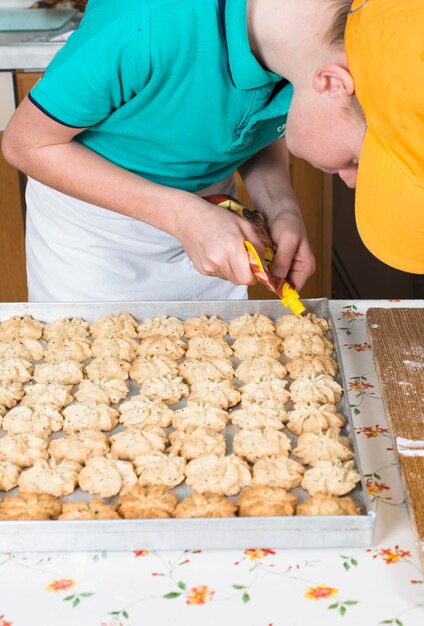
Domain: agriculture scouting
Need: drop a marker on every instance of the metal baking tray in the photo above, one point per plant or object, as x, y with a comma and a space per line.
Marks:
206, 534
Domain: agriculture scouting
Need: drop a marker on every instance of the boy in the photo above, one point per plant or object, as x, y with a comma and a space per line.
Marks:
385, 54
152, 104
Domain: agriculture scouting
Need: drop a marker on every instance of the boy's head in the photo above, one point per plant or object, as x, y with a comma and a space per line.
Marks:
325, 124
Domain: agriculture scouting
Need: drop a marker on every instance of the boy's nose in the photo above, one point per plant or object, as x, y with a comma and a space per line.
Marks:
349, 176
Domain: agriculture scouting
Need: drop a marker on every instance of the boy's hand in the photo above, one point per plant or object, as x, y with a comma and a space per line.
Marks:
293, 259
213, 238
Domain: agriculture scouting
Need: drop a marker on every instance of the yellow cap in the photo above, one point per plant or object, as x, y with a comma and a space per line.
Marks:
385, 51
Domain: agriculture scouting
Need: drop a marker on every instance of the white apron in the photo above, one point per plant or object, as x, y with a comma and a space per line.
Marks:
78, 252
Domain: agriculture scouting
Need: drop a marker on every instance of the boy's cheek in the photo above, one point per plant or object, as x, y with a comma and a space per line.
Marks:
290, 143
294, 144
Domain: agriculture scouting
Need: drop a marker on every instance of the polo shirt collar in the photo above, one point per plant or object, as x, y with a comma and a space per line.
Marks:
246, 71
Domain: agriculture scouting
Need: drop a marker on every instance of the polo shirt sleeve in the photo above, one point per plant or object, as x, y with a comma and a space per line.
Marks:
104, 64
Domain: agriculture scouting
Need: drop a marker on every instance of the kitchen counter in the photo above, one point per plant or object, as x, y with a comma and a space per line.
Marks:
34, 56
257, 586
33, 50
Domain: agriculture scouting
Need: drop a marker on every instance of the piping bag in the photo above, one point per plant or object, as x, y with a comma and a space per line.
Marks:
261, 265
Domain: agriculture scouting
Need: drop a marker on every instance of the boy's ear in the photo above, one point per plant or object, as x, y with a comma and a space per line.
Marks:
333, 79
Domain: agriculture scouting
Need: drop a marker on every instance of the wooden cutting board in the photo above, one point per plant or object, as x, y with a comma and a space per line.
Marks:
397, 339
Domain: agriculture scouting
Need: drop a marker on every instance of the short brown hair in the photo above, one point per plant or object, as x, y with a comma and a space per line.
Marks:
334, 36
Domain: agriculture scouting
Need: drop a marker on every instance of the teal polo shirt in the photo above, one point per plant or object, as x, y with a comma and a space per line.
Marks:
168, 89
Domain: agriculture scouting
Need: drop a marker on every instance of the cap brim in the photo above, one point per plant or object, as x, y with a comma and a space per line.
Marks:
389, 209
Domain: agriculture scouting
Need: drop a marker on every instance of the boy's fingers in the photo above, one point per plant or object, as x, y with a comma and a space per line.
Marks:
283, 258
302, 267
295, 264
241, 273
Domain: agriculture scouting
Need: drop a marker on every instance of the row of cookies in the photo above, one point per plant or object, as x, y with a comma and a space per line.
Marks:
124, 326
109, 330
158, 502
84, 459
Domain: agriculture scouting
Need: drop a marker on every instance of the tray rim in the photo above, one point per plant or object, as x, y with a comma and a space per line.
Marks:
343, 530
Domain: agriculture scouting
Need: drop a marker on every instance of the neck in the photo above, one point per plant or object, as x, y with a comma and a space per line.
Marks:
286, 35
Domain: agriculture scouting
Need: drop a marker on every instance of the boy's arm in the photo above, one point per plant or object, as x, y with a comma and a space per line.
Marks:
266, 176
44, 149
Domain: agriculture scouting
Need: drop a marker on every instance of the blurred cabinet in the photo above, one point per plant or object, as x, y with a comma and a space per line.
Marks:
12, 215
312, 188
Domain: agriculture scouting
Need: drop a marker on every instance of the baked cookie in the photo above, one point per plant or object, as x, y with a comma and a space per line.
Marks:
322, 389
334, 479
101, 370
96, 509
266, 501
157, 468
248, 346
277, 472
107, 477
41, 421
169, 390
156, 345
120, 325
62, 373
205, 505
208, 347
313, 418
311, 366
151, 502
255, 417
256, 324
168, 326
23, 450
81, 416
252, 445
221, 394
11, 394
214, 369
108, 392
132, 442
30, 506
19, 328
302, 324
27, 349
305, 344
267, 390
195, 416
312, 448
114, 347
323, 504
56, 479
204, 326
66, 328
9, 474
198, 442
68, 349
225, 475
143, 413
260, 368
79, 447
15, 371
161, 366
39, 394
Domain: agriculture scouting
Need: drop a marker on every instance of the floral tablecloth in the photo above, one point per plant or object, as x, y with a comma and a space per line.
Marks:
256, 586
